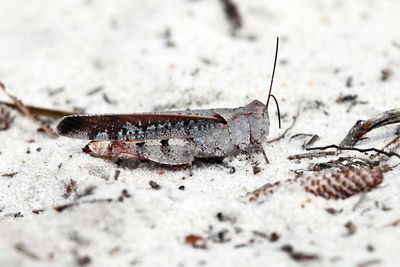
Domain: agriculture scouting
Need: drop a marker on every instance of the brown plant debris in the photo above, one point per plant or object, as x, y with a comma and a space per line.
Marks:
223, 217
349, 81
274, 237
167, 36
95, 90
312, 155
386, 73
196, 241
372, 149
311, 141
391, 146
116, 174
154, 185
40, 111
298, 256
362, 127
394, 223
295, 117
267, 189
107, 99
89, 190
24, 110
369, 263
221, 236
124, 194
351, 100
346, 98
23, 249
55, 91
333, 211
308, 142
351, 228
344, 162
5, 118
256, 169
9, 175
339, 183
70, 187
62, 207
37, 211
232, 14
83, 260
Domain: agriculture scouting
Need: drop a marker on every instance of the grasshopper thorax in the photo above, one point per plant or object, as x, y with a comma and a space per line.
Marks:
258, 121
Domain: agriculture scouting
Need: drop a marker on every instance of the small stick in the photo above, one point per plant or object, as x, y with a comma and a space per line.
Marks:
397, 138
389, 154
21, 248
343, 162
311, 155
232, 14
39, 111
21, 107
394, 223
310, 142
359, 201
295, 117
394, 143
299, 135
362, 127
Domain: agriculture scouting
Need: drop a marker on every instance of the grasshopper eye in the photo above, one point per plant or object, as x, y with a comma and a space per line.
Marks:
259, 110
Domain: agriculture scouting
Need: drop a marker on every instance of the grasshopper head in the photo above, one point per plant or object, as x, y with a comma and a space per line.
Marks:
258, 121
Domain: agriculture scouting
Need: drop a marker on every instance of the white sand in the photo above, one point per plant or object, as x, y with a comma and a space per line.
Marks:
79, 45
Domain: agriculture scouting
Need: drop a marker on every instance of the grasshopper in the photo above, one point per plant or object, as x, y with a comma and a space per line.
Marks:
174, 138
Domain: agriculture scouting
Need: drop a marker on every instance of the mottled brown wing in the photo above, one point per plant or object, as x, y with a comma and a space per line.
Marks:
137, 127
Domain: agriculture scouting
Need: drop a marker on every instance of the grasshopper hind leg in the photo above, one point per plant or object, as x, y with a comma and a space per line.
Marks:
178, 153
262, 148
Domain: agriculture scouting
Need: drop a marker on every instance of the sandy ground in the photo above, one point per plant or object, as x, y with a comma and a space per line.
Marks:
138, 56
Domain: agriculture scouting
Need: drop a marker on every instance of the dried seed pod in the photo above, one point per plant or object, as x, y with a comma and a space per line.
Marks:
342, 183
331, 184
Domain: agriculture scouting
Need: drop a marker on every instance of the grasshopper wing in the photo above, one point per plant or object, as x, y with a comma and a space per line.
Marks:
138, 127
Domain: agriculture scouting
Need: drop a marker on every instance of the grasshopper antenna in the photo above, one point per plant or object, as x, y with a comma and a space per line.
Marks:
272, 80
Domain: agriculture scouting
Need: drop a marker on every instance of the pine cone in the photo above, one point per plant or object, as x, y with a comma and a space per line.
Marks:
342, 183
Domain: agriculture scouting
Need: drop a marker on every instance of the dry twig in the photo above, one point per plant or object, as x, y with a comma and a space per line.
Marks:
23, 109
362, 127
39, 111
372, 149
295, 117
24, 250
343, 162
312, 155
391, 146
